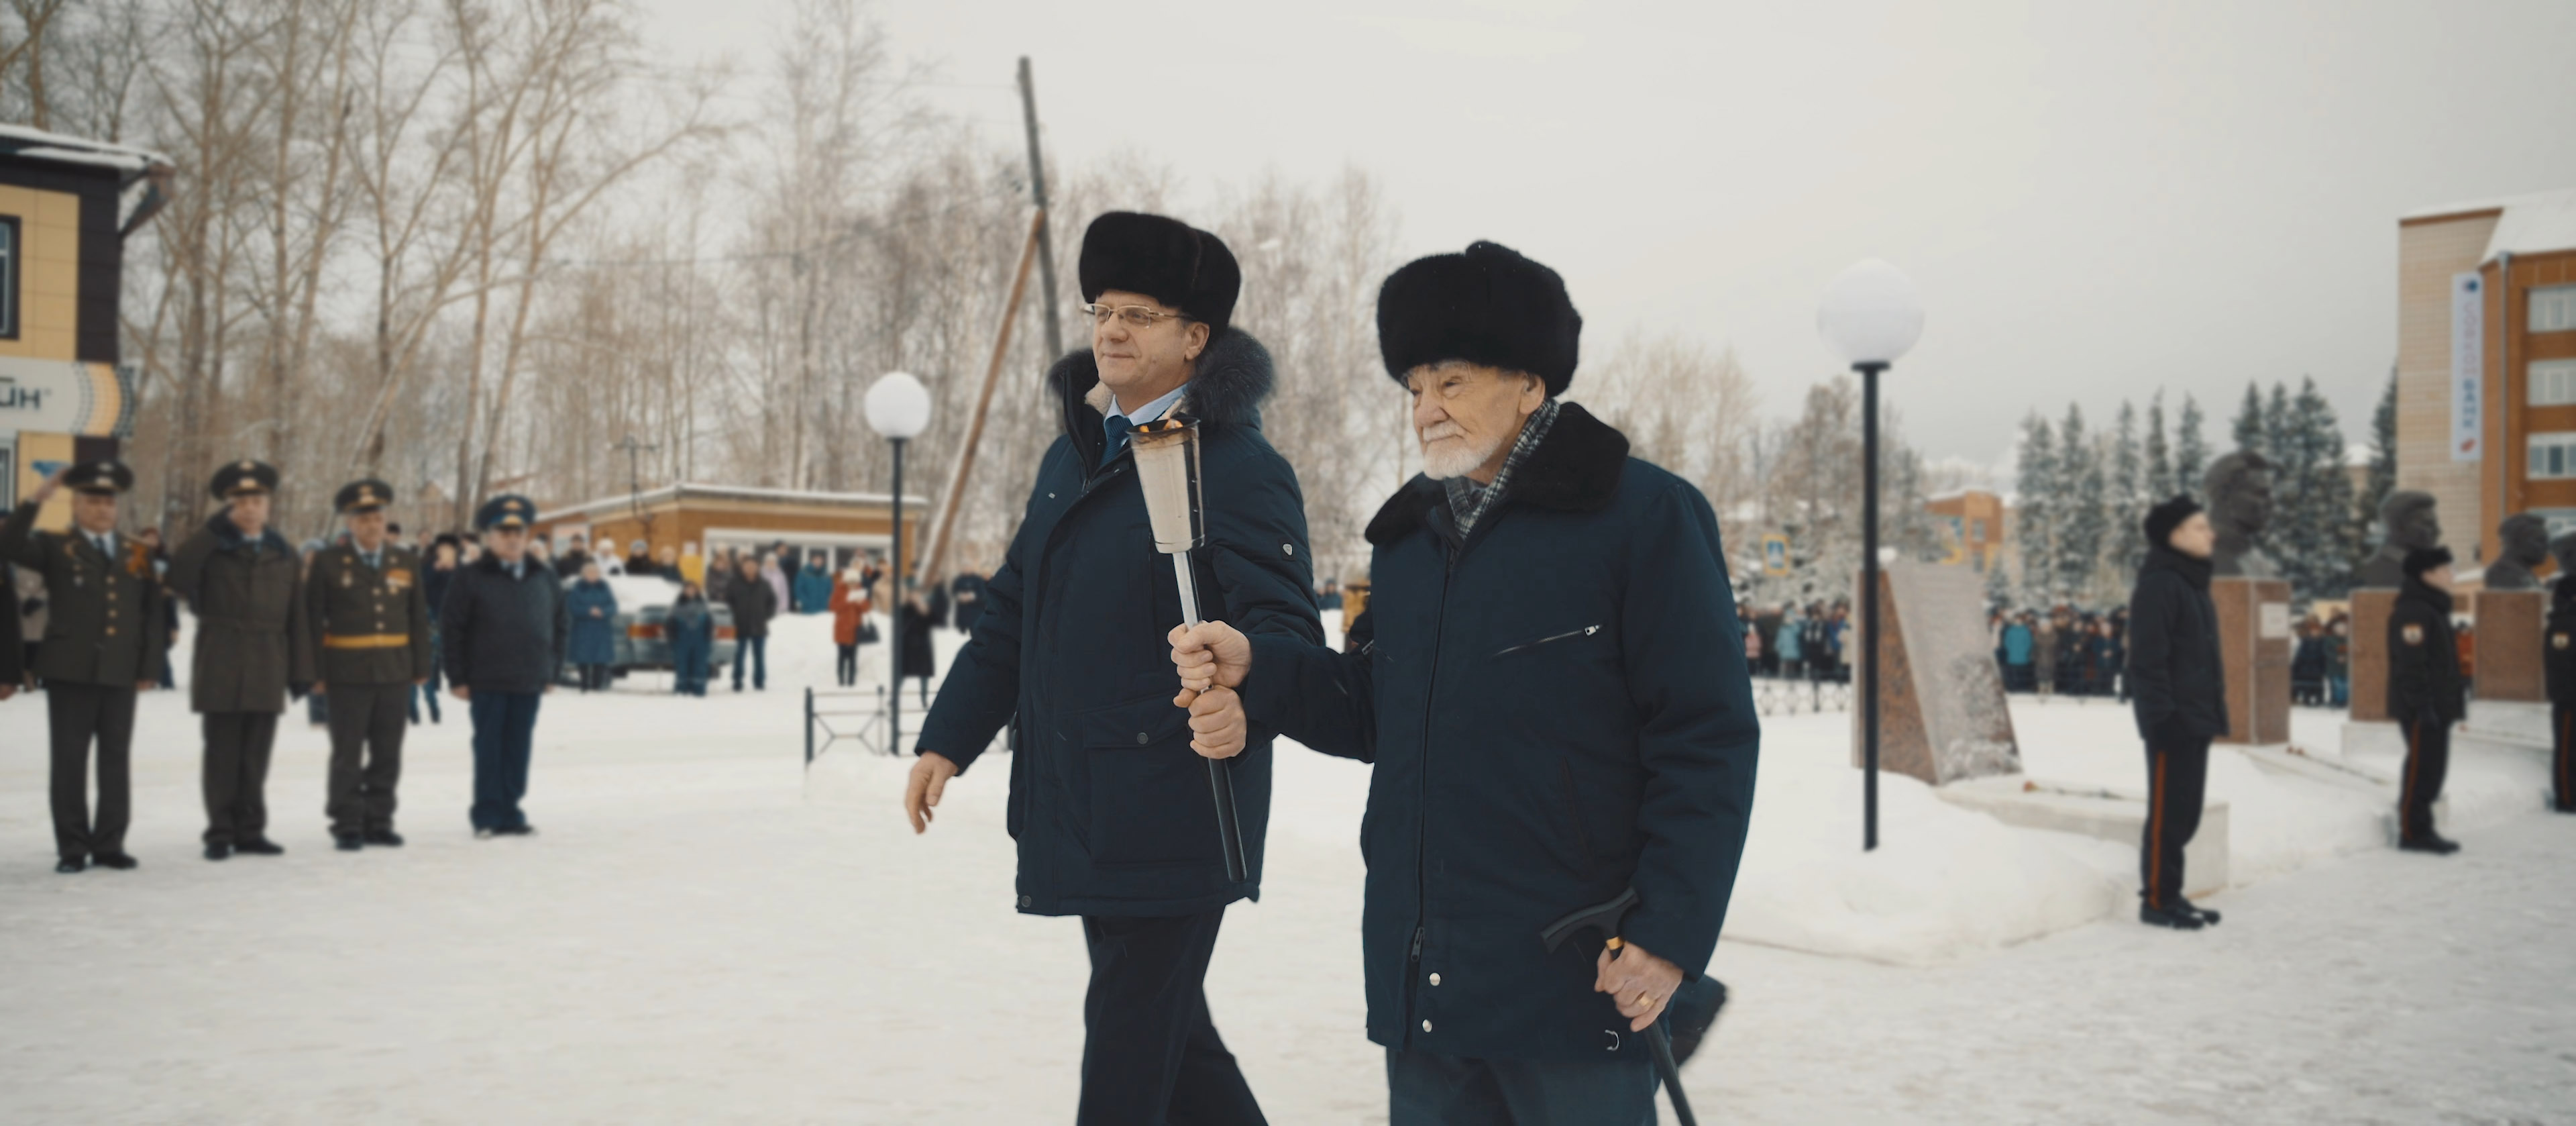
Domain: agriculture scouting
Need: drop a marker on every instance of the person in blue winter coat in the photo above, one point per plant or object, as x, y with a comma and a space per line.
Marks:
1550, 681
593, 646
1792, 631
814, 586
691, 628
1110, 808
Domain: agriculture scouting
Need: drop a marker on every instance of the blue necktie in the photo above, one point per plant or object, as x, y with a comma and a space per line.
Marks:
1116, 425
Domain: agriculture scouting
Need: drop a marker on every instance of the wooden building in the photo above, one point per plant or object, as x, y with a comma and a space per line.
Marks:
66, 206
1972, 526
712, 517
2486, 363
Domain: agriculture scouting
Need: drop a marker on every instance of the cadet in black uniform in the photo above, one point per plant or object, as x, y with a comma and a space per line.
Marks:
2424, 693
2177, 691
370, 620
101, 641
2558, 657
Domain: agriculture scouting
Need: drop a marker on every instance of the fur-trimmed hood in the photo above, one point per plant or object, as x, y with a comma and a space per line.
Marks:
1234, 377
1575, 468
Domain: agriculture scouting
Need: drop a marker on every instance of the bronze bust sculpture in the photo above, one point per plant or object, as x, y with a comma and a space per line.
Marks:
2407, 516
2240, 506
2526, 543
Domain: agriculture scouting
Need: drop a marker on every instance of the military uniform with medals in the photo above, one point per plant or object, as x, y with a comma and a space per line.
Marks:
102, 639
253, 647
370, 622
2425, 697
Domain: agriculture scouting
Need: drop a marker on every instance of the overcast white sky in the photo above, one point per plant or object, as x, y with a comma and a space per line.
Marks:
2097, 199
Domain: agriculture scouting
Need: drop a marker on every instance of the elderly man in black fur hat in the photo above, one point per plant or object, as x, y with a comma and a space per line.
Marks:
1550, 680
2426, 694
1110, 807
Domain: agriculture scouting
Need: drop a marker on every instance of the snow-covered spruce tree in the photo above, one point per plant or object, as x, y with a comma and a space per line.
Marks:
2159, 456
2293, 540
2085, 522
2324, 510
2035, 508
2382, 478
2191, 452
2248, 431
2130, 497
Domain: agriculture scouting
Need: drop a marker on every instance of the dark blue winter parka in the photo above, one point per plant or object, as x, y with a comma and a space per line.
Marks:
1108, 802
1559, 710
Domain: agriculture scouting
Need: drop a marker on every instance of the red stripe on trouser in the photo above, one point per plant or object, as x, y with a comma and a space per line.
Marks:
2156, 835
2406, 792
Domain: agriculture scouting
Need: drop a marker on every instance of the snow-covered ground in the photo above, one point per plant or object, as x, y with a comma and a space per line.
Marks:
700, 935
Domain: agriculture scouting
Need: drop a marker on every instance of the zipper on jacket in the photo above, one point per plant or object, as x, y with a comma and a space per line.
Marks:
1421, 822
1586, 631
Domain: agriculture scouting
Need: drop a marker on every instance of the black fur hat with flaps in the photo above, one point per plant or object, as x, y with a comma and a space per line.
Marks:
1162, 258
1487, 306
2424, 559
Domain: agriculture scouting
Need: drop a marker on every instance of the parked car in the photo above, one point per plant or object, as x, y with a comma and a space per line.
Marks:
643, 602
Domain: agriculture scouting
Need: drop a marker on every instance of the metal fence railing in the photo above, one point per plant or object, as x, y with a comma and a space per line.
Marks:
1779, 696
860, 715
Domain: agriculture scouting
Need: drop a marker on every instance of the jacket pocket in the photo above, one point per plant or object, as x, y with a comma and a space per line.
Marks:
1150, 803
1550, 639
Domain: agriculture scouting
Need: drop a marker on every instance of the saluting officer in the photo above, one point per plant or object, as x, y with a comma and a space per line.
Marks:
100, 644
245, 584
370, 621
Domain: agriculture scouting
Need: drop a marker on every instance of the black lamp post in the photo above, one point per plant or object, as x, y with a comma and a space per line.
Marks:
1872, 314
899, 408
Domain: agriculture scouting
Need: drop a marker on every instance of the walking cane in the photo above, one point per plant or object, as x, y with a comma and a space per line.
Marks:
1608, 918
1167, 464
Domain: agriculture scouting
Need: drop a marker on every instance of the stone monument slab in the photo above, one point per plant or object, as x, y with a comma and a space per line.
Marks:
2254, 644
1941, 710
2370, 610
2508, 641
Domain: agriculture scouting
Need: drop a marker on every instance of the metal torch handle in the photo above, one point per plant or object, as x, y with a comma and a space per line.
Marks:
1229, 828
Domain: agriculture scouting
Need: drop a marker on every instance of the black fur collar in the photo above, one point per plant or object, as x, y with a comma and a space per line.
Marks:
1575, 468
1234, 376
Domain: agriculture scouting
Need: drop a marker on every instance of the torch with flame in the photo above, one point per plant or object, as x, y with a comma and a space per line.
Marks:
1167, 465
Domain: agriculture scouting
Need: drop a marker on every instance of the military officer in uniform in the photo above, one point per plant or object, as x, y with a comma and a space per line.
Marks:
245, 584
503, 628
100, 644
370, 620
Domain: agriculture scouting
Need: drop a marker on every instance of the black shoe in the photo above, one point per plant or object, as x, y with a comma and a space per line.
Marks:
2179, 918
347, 842
72, 865
2433, 843
219, 851
2206, 915
117, 860
1688, 1028
384, 838
517, 831
259, 846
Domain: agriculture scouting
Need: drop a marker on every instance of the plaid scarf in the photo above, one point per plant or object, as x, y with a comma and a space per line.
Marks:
1469, 501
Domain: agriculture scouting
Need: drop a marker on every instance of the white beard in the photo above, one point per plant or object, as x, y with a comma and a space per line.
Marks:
1456, 457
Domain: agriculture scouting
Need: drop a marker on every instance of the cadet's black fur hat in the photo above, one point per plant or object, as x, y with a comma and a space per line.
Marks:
104, 477
1488, 306
2164, 518
244, 478
365, 495
509, 510
2424, 559
1162, 258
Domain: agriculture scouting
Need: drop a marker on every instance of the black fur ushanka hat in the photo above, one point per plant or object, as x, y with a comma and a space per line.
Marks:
1487, 306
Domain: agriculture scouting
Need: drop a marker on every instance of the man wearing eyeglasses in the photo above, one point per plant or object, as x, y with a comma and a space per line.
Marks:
1109, 805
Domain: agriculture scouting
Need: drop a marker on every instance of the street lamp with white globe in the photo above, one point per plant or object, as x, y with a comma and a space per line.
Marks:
1871, 316
899, 409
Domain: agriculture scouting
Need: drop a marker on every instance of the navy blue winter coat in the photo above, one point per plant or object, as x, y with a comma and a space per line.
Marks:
1109, 804
594, 623
1559, 710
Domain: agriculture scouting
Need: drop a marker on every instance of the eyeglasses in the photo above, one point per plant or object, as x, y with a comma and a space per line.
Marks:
1136, 316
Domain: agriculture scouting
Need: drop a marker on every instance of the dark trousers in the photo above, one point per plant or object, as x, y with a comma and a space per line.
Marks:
594, 678
1430, 1089
236, 775
427, 694
2428, 760
1150, 1055
80, 714
2562, 764
2177, 779
847, 668
755, 650
505, 723
367, 726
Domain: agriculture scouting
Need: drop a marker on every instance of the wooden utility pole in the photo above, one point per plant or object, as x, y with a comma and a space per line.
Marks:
1038, 192
951, 497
